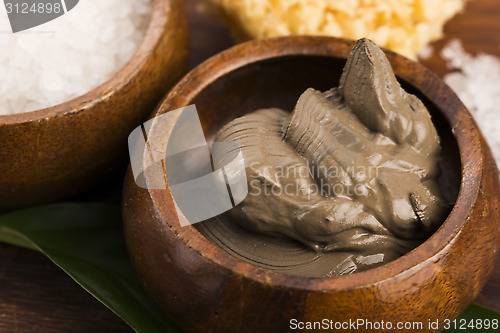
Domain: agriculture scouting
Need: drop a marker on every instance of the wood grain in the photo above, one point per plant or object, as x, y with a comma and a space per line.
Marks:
37, 297
478, 27
202, 288
52, 153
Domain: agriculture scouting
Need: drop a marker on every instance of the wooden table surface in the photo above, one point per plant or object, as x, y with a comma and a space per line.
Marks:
36, 296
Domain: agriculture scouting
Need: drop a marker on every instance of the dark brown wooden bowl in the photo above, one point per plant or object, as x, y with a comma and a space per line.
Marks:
52, 153
204, 289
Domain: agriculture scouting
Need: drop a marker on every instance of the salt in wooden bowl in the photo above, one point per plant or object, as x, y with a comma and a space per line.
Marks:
50, 154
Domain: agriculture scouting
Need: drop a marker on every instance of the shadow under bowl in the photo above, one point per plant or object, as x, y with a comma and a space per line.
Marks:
50, 154
202, 288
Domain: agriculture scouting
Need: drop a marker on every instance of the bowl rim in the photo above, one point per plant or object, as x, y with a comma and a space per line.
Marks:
152, 36
459, 119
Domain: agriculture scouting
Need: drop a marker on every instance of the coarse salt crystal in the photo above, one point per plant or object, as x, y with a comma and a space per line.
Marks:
67, 57
476, 80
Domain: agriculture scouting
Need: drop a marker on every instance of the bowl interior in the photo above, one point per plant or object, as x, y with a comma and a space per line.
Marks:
278, 82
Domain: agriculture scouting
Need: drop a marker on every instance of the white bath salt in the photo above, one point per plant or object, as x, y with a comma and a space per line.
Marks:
477, 82
426, 52
69, 56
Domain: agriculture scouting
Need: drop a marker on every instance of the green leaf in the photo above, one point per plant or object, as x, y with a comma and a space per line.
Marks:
87, 242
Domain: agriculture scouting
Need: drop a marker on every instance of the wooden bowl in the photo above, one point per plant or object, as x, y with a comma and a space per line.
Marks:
52, 153
204, 289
